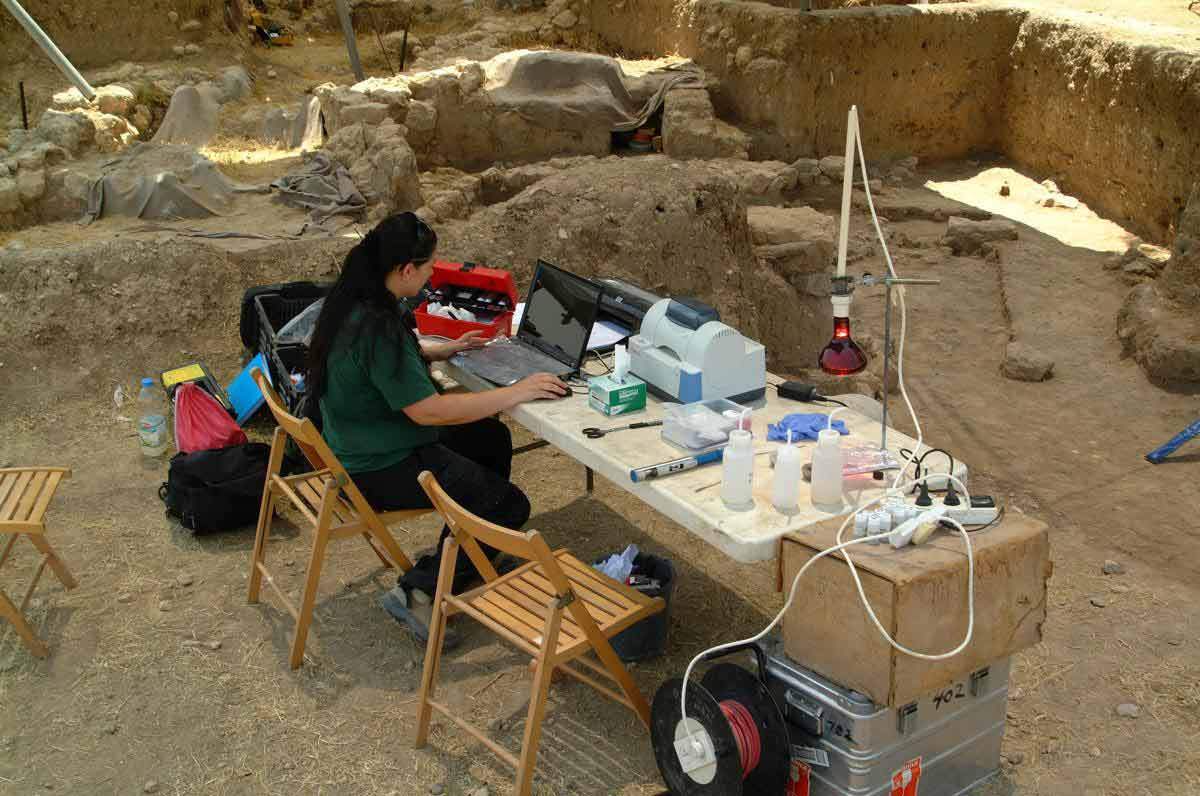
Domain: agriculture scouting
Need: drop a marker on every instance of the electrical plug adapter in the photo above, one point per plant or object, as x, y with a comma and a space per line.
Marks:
798, 391
905, 531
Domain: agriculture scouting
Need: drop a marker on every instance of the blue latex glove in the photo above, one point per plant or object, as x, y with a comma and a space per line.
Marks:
802, 426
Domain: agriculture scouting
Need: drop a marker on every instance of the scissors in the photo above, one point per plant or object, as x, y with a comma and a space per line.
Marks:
597, 433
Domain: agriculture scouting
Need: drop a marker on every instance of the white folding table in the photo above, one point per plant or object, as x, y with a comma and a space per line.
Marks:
692, 498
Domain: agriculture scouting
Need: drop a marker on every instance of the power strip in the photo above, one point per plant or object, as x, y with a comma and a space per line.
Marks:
982, 511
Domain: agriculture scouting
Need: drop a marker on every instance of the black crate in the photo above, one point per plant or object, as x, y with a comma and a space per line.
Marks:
284, 359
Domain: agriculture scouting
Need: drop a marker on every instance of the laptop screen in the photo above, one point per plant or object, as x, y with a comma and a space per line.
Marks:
560, 312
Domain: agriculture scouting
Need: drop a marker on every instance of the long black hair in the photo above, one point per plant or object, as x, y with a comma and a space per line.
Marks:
394, 242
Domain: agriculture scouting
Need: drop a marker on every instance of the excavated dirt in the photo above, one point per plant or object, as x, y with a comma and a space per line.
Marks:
95, 32
1105, 105
200, 726
162, 679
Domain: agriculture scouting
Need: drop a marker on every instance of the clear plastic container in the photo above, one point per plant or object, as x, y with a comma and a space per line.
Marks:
704, 424
152, 419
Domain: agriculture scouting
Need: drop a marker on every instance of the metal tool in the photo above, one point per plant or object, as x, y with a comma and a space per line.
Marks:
596, 433
888, 282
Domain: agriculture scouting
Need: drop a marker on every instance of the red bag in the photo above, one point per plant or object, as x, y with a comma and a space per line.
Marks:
200, 422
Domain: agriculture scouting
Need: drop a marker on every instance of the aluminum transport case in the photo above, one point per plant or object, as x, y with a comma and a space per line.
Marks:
942, 744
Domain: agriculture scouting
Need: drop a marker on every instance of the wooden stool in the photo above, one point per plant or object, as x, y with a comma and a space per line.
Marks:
25, 494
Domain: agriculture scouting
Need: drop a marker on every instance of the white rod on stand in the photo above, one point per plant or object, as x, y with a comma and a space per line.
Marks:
50, 48
847, 184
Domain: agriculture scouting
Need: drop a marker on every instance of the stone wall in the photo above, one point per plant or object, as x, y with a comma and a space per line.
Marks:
98, 32
1113, 122
787, 77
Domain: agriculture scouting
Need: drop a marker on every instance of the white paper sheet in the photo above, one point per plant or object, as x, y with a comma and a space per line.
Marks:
605, 333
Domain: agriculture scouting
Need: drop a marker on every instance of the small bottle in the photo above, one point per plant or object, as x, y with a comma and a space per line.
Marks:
152, 420
737, 471
862, 521
827, 470
785, 491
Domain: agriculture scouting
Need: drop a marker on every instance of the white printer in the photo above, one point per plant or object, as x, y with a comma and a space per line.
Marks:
684, 353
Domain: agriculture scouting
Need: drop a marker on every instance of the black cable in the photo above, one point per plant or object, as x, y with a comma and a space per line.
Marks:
811, 396
921, 471
378, 38
943, 451
576, 381
600, 359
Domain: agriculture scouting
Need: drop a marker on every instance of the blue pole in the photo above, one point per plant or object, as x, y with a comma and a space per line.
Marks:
1158, 454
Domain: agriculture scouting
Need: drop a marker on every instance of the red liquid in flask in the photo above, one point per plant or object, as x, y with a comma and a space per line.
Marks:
842, 356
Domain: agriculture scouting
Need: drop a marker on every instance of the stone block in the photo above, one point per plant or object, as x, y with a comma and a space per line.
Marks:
691, 129
114, 99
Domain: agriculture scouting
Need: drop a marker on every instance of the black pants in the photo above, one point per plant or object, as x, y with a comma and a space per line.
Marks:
472, 463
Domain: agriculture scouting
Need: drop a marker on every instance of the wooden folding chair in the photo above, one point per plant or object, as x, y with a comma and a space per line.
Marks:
329, 500
25, 494
554, 607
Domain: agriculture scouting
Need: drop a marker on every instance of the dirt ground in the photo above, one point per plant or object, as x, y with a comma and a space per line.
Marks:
126, 705
1173, 20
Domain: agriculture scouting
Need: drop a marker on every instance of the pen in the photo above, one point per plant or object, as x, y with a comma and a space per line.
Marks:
639, 474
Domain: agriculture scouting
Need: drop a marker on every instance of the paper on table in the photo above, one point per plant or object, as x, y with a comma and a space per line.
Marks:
604, 333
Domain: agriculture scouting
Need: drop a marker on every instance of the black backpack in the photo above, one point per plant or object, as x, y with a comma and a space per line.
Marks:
217, 490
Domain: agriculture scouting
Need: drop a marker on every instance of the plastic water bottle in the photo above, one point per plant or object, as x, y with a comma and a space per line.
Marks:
737, 478
152, 420
827, 471
785, 491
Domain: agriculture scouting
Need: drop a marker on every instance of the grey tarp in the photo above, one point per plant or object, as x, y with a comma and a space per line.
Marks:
575, 91
307, 132
162, 182
191, 117
294, 130
321, 186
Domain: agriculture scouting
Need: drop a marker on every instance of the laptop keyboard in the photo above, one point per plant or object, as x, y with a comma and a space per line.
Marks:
505, 362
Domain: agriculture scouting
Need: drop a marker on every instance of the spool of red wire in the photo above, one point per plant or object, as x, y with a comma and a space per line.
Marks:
745, 733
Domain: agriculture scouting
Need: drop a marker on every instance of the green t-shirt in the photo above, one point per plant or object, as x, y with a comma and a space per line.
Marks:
369, 381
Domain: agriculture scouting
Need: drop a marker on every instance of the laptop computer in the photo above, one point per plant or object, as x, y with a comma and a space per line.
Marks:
560, 311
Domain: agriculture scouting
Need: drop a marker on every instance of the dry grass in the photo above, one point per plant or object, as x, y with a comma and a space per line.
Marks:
249, 160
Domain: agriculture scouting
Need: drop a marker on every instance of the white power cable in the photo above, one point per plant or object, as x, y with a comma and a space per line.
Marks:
925, 656
840, 545
887, 256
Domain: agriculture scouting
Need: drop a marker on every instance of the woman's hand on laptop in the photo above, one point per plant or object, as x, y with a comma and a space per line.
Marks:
441, 351
539, 386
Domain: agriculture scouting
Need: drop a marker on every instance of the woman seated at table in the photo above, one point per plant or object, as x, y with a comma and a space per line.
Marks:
384, 418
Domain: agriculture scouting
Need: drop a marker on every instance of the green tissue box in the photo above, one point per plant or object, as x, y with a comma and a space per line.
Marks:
610, 397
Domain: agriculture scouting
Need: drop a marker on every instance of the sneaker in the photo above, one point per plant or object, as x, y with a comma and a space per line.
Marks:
415, 616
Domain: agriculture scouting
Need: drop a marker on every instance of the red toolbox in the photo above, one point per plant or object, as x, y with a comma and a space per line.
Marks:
489, 293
